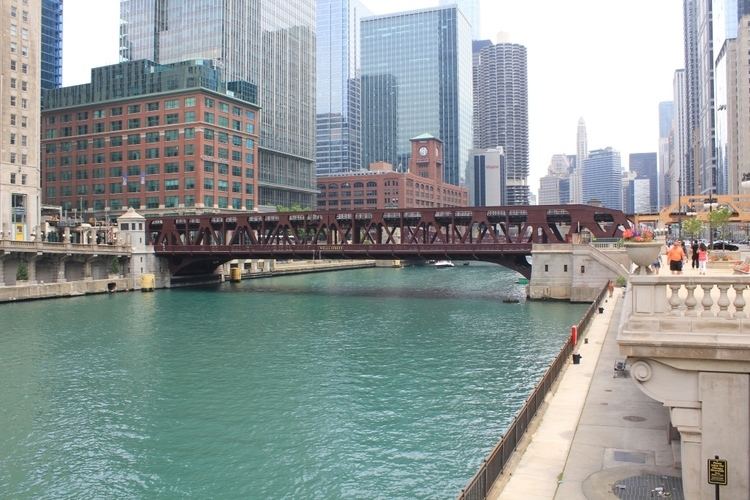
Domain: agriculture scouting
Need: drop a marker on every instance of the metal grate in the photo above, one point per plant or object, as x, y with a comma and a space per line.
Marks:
649, 486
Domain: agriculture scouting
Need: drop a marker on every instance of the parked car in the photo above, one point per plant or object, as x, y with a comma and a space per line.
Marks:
724, 245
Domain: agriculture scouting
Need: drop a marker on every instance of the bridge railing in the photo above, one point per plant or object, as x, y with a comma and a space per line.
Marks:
498, 458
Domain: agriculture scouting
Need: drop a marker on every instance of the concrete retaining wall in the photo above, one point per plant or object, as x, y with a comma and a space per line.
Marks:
66, 289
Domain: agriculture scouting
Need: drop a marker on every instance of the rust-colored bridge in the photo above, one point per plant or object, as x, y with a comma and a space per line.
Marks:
503, 235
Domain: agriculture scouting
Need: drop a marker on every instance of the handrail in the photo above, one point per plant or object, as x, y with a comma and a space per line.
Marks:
493, 465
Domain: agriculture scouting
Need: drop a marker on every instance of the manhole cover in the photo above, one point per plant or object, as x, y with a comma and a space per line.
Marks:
649, 486
633, 418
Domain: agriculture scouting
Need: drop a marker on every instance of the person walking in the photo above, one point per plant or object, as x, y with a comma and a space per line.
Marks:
694, 254
676, 256
702, 258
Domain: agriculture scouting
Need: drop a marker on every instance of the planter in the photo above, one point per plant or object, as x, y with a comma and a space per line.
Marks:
643, 254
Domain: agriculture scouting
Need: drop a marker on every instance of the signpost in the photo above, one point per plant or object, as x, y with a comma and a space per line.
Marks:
717, 473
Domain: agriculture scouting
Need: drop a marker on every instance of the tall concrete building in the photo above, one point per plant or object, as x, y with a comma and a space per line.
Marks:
554, 188
743, 103
645, 167
677, 179
502, 105
416, 78
582, 152
666, 112
708, 173
602, 178
20, 89
470, 8
265, 42
485, 177
691, 180
52, 26
338, 121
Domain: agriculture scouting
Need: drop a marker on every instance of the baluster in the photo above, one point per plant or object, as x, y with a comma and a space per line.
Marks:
707, 302
739, 300
691, 301
723, 301
674, 299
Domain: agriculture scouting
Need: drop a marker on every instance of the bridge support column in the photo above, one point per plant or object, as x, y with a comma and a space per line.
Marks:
31, 269
61, 268
87, 271
271, 265
254, 266
2, 269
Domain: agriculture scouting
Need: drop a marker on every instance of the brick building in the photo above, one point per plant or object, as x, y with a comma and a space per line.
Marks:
158, 138
381, 187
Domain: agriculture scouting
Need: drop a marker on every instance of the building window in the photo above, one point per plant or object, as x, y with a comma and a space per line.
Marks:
152, 106
152, 121
171, 104
171, 185
189, 102
134, 108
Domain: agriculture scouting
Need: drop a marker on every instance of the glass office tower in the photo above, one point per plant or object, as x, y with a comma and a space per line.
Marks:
602, 178
52, 44
338, 124
416, 79
265, 42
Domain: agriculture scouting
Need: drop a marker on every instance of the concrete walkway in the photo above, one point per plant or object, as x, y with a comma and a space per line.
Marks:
596, 429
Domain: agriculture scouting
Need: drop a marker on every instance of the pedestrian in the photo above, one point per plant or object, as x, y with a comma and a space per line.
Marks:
610, 287
702, 258
694, 254
676, 256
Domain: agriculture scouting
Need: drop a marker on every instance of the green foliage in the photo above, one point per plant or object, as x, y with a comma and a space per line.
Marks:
22, 272
296, 207
720, 219
692, 227
115, 266
621, 281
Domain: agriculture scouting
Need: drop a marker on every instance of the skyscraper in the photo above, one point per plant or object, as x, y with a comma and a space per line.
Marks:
679, 181
20, 61
666, 110
582, 152
502, 105
708, 174
52, 11
416, 79
470, 8
265, 42
602, 178
644, 166
338, 125
690, 182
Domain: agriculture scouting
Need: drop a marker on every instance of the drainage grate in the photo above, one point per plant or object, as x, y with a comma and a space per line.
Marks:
649, 486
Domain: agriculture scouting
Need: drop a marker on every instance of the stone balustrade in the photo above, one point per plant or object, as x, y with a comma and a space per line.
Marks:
46, 247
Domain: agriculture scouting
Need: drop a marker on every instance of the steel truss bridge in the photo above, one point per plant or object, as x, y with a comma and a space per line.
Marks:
197, 244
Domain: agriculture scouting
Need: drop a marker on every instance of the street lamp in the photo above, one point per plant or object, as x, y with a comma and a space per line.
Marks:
710, 205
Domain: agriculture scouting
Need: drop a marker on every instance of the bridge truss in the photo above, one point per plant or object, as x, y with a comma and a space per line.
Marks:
504, 235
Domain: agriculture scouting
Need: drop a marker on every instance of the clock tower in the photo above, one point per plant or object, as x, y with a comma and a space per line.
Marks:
427, 157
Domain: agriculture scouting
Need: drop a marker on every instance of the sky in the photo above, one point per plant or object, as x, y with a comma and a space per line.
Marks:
608, 61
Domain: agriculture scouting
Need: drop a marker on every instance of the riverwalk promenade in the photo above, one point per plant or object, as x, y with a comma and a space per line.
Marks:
599, 436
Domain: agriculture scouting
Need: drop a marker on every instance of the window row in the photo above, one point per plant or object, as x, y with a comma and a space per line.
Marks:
144, 186
154, 202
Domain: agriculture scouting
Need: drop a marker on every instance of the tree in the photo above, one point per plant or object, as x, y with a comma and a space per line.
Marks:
296, 207
22, 272
692, 227
719, 219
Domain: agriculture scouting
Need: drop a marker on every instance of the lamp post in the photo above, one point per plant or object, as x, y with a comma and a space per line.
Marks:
710, 206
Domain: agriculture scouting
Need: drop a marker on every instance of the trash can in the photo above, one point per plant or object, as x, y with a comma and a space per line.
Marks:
601, 309
576, 358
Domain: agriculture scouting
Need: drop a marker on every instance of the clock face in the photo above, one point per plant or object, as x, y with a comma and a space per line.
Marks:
423, 151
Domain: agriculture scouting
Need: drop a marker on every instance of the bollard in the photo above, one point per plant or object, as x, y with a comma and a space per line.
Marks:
574, 334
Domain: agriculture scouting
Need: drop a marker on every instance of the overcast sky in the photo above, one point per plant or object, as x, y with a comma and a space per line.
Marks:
608, 61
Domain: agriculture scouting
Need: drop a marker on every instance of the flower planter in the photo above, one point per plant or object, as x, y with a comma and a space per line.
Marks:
643, 254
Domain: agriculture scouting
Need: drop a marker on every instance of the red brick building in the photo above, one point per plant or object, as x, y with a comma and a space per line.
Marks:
381, 187
189, 148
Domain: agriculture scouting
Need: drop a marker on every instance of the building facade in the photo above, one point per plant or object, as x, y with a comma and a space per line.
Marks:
338, 122
666, 117
265, 42
52, 29
20, 77
470, 8
602, 178
381, 187
152, 137
691, 181
678, 182
486, 178
416, 77
582, 152
502, 104
645, 167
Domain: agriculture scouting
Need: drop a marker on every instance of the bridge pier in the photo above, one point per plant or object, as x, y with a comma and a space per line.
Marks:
2, 269
61, 268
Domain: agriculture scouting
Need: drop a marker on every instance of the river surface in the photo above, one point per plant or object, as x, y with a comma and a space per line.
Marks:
374, 383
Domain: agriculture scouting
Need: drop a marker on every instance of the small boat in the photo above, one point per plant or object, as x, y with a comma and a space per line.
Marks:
443, 263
